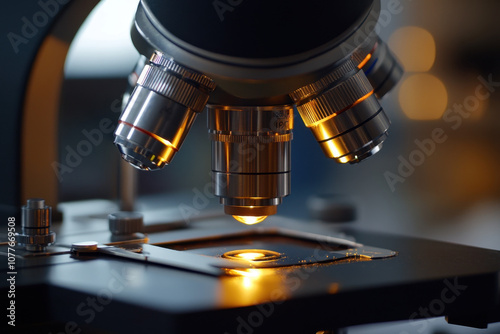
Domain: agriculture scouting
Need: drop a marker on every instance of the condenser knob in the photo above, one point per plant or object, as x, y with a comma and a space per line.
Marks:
125, 223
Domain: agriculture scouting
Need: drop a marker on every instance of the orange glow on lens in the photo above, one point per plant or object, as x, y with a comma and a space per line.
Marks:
336, 151
361, 99
155, 136
366, 60
250, 220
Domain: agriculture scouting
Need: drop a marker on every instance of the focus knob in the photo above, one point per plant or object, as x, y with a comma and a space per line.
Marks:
36, 220
125, 223
332, 208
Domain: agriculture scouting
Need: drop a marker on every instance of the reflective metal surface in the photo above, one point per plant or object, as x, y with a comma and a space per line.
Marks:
277, 247
251, 157
179, 290
160, 112
241, 72
36, 221
343, 114
250, 112
159, 298
125, 223
158, 255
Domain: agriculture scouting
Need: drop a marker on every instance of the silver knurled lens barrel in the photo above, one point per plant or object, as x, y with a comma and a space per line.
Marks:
343, 114
160, 112
251, 157
36, 219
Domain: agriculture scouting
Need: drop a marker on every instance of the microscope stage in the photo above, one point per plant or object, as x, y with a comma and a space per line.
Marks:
425, 279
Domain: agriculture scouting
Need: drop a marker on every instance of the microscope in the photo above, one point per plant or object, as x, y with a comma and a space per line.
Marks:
326, 60
252, 67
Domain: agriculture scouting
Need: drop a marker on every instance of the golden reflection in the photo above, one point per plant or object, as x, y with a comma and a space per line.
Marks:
252, 255
344, 160
333, 150
155, 136
170, 149
242, 287
249, 273
333, 288
365, 61
318, 123
250, 220
163, 141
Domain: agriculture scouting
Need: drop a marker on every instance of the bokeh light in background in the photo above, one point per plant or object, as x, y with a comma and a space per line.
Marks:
423, 96
415, 48
102, 47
